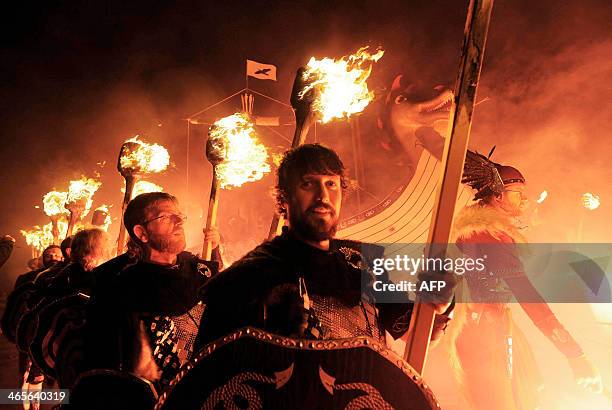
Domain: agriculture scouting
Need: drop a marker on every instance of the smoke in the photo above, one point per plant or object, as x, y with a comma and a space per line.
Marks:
547, 75
548, 114
79, 92
86, 77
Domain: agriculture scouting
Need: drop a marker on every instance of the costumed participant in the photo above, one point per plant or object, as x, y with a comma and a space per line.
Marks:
304, 283
6, 248
494, 363
50, 257
17, 304
44, 277
89, 248
145, 312
66, 247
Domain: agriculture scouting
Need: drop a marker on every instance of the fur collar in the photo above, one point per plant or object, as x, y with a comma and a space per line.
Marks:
474, 219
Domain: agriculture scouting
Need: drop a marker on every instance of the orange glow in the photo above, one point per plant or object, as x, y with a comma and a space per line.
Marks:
146, 158
340, 85
233, 138
142, 187
276, 159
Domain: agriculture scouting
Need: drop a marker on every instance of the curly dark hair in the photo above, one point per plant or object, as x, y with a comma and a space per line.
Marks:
303, 160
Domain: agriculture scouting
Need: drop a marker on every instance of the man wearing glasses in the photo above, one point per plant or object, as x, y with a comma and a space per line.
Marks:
145, 311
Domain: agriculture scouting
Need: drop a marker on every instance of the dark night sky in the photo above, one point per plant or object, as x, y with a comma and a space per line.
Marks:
79, 77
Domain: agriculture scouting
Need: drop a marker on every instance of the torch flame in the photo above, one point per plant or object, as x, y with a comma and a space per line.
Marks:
34, 237
277, 158
145, 158
340, 85
53, 203
107, 219
244, 159
41, 237
80, 194
143, 187
542, 197
590, 201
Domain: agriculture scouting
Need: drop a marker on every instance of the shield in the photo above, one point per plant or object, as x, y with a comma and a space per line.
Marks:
254, 369
16, 307
26, 326
57, 344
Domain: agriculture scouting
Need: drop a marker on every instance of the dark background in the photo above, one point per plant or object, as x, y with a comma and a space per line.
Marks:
79, 77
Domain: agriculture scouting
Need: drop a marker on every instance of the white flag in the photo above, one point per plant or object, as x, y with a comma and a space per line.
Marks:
261, 71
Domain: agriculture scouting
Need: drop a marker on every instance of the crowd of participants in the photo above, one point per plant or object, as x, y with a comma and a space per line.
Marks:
82, 310
84, 320
116, 332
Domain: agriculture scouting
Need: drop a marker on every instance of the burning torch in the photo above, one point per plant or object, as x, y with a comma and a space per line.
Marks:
34, 239
327, 89
236, 157
215, 153
101, 217
79, 200
53, 206
590, 202
137, 157
143, 187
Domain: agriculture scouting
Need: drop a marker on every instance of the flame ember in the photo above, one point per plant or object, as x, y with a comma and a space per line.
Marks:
104, 210
80, 194
142, 157
590, 201
53, 203
542, 197
233, 140
143, 187
340, 85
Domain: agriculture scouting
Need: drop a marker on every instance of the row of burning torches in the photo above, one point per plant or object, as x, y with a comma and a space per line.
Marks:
67, 209
323, 90
327, 89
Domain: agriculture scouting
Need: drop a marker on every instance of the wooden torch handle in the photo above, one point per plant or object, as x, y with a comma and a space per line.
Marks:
211, 217
130, 181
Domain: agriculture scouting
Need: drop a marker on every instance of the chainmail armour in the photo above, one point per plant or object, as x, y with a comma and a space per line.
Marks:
340, 321
173, 339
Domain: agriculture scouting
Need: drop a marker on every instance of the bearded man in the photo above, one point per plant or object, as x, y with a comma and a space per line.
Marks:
145, 311
304, 283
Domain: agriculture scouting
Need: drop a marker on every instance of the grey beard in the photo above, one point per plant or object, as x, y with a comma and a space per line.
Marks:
165, 245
